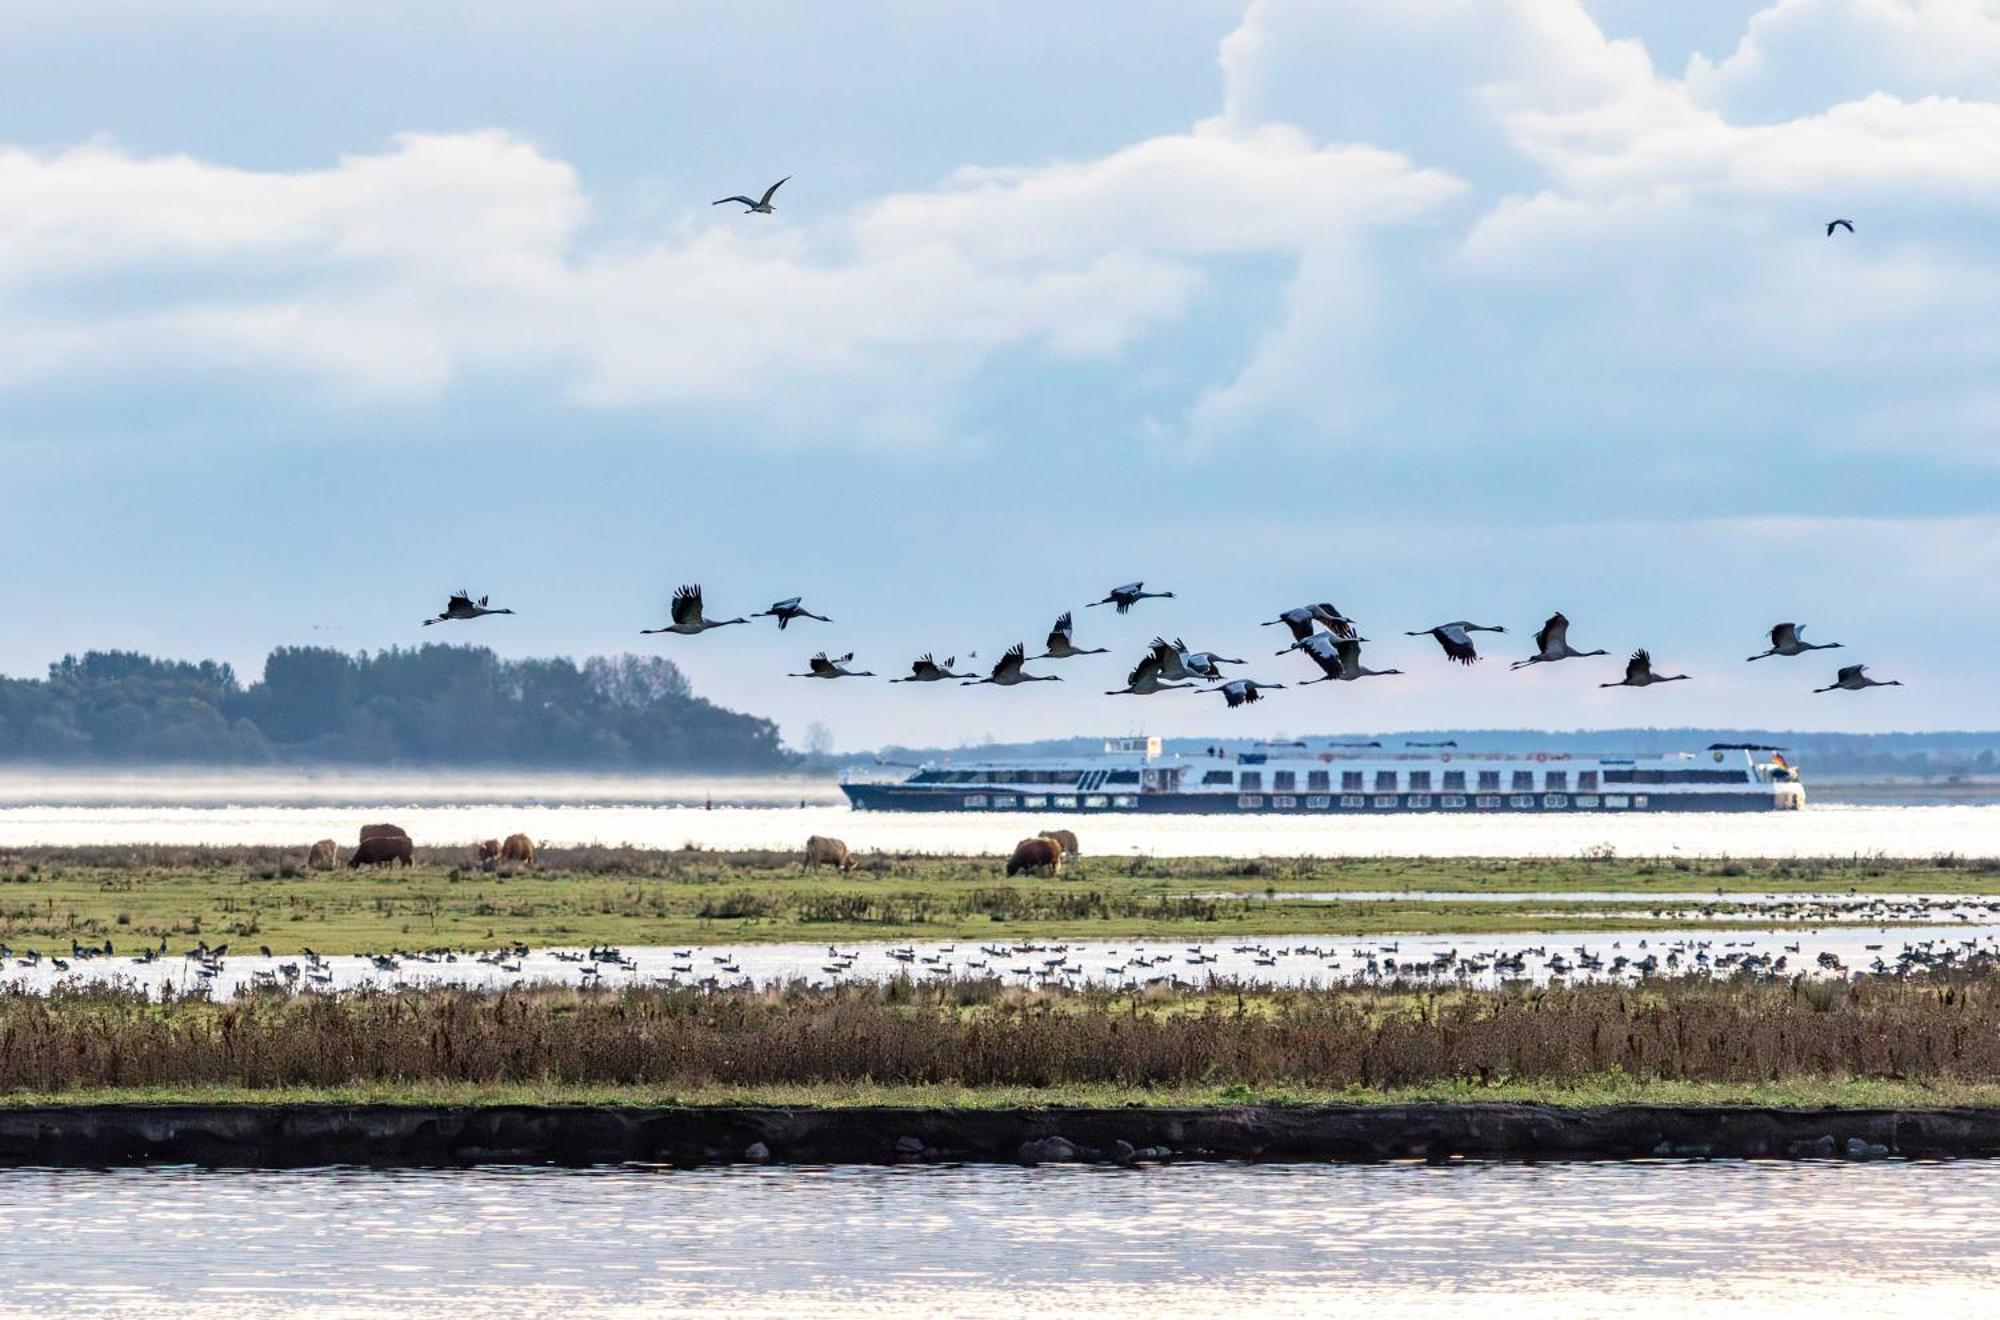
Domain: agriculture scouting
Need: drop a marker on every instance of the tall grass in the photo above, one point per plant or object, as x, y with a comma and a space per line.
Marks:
978, 1033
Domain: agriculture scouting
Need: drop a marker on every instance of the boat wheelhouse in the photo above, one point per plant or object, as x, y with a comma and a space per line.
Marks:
1132, 774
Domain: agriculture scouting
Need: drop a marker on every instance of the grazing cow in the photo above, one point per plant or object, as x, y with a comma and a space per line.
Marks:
518, 848
382, 832
489, 851
382, 850
1067, 838
822, 851
1036, 854
325, 855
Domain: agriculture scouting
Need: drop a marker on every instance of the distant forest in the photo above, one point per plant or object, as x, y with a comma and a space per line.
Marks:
433, 705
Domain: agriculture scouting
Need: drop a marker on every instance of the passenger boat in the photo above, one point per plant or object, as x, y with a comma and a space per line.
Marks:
1295, 779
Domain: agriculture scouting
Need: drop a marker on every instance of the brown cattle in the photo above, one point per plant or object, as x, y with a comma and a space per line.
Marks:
1036, 854
489, 851
1067, 839
382, 850
822, 851
518, 848
325, 855
382, 832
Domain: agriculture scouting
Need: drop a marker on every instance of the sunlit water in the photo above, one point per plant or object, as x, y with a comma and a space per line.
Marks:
1819, 831
1793, 1239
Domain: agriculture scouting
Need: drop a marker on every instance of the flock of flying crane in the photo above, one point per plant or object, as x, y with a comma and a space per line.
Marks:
1325, 636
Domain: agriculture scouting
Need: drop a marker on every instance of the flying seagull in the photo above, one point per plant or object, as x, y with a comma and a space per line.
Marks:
762, 206
1552, 644
463, 606
1456, 639
786, 610
1853, 678
688, 619
1639, 672
926, 669
1785, 640
1832, 225
821, 667
1131, 594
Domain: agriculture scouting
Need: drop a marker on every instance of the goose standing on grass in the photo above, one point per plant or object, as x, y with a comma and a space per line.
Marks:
688, 618
821, 667
1060, 647
1144, 680
1301, 618
1243, 691
463, 606
1456, 639
786, 610
1854, 678
924, 669
762, 206
1639, 672
1008, 672
1785, 640
1350, 661
1131, 594
1552, 644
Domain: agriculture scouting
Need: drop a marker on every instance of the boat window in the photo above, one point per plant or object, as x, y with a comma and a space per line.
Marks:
1521, 800
1350, 779
1676, 776
975, 799
1284, 780
1555, 799
1034, 803
1095, 801
1489, 779
1557, 780
1420, 799
1385, 781
1588, 801
1454, 780
1284, 800
1219, 777
1318, 779
1124, 800
1004, 800
1066, 801
1420, 781
1452, 800
1487, 801
1249, 803
1251, 779
1353, 799
1387, 800
1319, 802
1122, 777
1586, 780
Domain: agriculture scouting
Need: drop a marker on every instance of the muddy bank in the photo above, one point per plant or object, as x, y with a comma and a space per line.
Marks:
278, 1136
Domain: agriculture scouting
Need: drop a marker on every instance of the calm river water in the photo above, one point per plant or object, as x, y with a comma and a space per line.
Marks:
1557, 1240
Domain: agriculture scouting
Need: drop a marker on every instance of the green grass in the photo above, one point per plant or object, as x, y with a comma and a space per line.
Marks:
136, 897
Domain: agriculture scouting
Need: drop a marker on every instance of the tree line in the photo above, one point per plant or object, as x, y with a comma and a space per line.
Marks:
429, 705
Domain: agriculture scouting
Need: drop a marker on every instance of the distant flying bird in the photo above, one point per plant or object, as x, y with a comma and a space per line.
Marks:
821, 667
1144, 680
1552, 644
463, 606
926, 670
1060, 645
1301, 618
688, 619
1243, 691
786, 610
1639, 672
762, 206
1351, 667
1456, 639
1131, 594
1785, 640
1008, 671
1855, 677
1832, 225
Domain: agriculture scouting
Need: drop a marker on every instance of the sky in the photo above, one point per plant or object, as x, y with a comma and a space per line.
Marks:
311, 312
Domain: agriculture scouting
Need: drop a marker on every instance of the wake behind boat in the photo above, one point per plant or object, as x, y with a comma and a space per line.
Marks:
1132, 775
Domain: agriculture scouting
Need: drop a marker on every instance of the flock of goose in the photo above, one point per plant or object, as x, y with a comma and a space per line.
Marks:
1327, 638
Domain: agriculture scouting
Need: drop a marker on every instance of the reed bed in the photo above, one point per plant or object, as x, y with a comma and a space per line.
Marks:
980, 1034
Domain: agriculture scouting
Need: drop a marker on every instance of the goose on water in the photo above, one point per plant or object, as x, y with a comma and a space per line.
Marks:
1552, 644
786, 610
1301, 618
1243, 691
463, 606
1131, 594
924, 669
1854, 678
821, 667
1008, 671
1060, 647
687, 615
1639, 672
1785, 640
1144, 680
762, 206
1456, 639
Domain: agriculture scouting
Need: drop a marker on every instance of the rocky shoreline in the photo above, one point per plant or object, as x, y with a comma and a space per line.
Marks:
293, 1136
